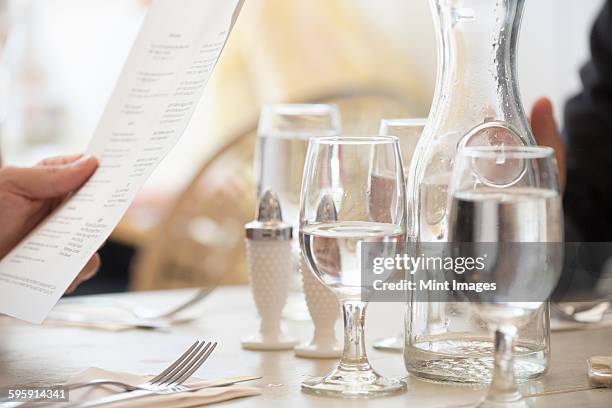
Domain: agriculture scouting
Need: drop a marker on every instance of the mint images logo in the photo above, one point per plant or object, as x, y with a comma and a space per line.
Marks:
434, 286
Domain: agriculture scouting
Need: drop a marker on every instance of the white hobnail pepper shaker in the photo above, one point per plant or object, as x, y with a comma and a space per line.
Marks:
270, 263
322, 303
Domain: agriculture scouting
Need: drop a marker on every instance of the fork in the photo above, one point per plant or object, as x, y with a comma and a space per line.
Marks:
168, 380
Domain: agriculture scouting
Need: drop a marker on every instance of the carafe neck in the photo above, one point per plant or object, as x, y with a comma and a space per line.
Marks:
477, 76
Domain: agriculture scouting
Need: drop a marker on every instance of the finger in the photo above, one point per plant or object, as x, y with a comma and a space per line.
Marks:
88, 272
543, 121
59, 160
90, 269
545, 130
43, 182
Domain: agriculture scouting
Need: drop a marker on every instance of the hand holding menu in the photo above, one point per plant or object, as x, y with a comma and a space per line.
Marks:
161, 83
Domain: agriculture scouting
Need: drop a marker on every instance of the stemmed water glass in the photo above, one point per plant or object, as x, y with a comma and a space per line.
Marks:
363, 176
506, 208
408, 131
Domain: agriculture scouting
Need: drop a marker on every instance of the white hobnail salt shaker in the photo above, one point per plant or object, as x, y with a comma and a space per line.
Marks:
270, 263
322, 302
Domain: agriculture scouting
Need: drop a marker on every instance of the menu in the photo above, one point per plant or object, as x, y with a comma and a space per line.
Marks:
160, 85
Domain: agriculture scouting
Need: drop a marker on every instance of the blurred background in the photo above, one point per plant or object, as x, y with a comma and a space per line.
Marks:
373, 58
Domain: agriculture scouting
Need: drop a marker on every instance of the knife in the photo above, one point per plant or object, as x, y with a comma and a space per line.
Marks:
84, 319
131, 395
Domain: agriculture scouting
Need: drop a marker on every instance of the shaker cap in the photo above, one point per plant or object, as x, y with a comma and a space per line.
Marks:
269, 224
326, 211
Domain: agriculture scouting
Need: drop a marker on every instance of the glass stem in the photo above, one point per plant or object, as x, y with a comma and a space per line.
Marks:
354, 357
503, 384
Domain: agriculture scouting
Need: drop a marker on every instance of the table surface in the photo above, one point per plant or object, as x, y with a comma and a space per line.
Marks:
48, 354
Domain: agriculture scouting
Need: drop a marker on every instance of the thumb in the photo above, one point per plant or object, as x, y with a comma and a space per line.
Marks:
49, 181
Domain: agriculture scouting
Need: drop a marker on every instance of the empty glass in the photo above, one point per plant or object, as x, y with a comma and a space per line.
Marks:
408, 131
506, 204
364, 178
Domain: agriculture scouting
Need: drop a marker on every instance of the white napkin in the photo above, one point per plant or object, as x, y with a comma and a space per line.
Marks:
183, 400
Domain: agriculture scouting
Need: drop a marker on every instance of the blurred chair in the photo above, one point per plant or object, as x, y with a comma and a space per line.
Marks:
200, 240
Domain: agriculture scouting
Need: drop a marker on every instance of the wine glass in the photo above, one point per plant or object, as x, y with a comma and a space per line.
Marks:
282, 140
506, 208
364, 178
408, 131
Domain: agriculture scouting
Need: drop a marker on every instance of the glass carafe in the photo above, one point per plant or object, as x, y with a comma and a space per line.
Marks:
476, 102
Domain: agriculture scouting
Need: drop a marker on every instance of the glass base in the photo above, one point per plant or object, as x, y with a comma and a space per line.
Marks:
515, 402
353, 384
395, 344
469, 361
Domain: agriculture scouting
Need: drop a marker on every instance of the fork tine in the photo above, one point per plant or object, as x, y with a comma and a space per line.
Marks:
184, 368
174, 364
196, 365
180, 368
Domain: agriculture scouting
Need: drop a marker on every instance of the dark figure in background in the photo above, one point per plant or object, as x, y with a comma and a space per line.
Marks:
584, 153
